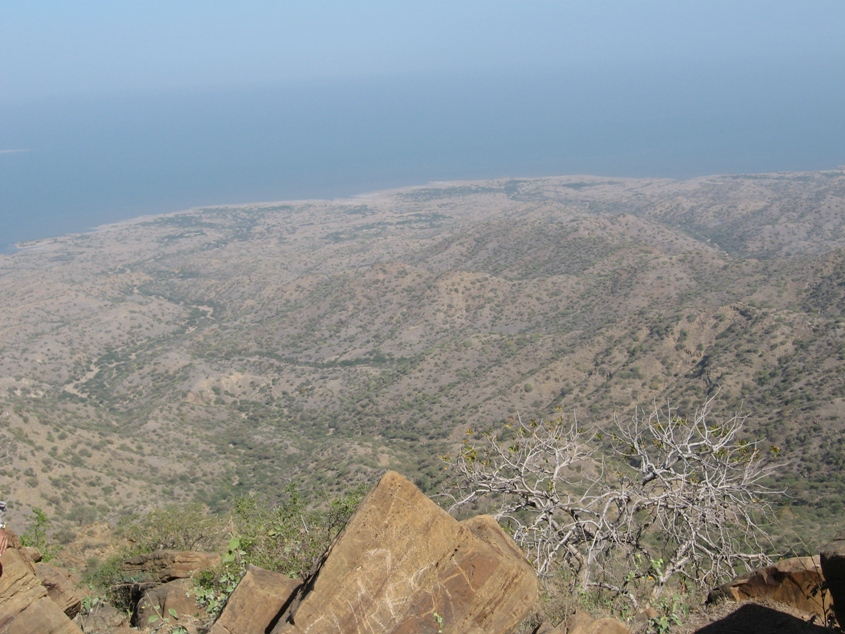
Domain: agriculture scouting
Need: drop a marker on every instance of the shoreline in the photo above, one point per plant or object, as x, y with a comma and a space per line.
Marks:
39, 244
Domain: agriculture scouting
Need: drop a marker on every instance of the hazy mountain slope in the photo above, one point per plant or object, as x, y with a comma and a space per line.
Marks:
218, 351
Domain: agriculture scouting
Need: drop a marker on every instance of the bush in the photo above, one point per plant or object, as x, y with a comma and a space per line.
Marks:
36, 535
289, 536
675, 500
189, 527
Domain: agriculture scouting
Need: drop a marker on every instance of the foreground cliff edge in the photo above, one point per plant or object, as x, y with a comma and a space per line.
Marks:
401, 564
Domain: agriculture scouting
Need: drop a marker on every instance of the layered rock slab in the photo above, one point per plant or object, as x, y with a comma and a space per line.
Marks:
59, 588
584, 623
178, 596
25, 607
167, 565
402, 565
256, 603
832, 560
797, 582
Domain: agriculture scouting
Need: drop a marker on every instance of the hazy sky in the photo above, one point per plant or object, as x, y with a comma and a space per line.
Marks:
52, 47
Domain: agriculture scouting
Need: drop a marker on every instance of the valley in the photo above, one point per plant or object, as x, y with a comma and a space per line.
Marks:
223, 351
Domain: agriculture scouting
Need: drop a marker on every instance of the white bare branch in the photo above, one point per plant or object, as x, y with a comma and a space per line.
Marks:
675, 497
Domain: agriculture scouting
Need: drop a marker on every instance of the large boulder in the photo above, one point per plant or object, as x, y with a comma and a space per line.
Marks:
255, 604
103, 619
832, 561
583, 623
175, 601
167, 565
402, 565
59, 588
606, 625
25, 607
797, 582
33, 553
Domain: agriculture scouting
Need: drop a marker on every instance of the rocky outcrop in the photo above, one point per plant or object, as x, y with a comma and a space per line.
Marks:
606, 625
25, 606
269, 590
832, 561
403, 565
797, 582
583, 623
175, 601
103, 619
59, 588
166, 565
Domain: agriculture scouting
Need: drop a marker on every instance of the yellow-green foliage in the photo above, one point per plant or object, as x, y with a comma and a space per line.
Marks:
288, 536
189, 527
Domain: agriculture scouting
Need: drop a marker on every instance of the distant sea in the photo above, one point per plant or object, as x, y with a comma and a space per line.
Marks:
70, 163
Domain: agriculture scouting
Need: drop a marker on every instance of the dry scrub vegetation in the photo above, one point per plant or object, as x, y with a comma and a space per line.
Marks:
648, 511
200, 356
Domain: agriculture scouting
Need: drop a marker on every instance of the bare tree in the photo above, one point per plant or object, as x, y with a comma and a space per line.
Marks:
672, 498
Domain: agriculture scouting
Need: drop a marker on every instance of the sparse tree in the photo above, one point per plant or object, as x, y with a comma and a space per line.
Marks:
657, 497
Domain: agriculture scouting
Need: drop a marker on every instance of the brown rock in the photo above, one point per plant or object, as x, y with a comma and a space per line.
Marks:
59, 588
103, 619
18, 584
797, 582
832, 561
42, 616
177, 596
583, 623
25, 607
32, 552
402, 565
167, 565
606, 625
259, 598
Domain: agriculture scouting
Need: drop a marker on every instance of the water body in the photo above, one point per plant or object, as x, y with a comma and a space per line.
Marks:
72, 163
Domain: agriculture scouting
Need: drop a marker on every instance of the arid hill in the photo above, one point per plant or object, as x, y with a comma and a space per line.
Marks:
209, 353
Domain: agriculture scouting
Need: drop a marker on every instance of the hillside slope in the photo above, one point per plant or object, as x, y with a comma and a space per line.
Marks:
214, 352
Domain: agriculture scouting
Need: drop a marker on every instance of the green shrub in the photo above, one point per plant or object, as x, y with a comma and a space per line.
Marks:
189, 527
36, 535
289, 537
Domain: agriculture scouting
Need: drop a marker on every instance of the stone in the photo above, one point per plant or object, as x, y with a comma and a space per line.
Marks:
42, 616
255, 604
402, 565
797, 582
583, 623
167, 565
832, 560
25, 607
33, 553
605, 625
59, 588
177, 596
103, 619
